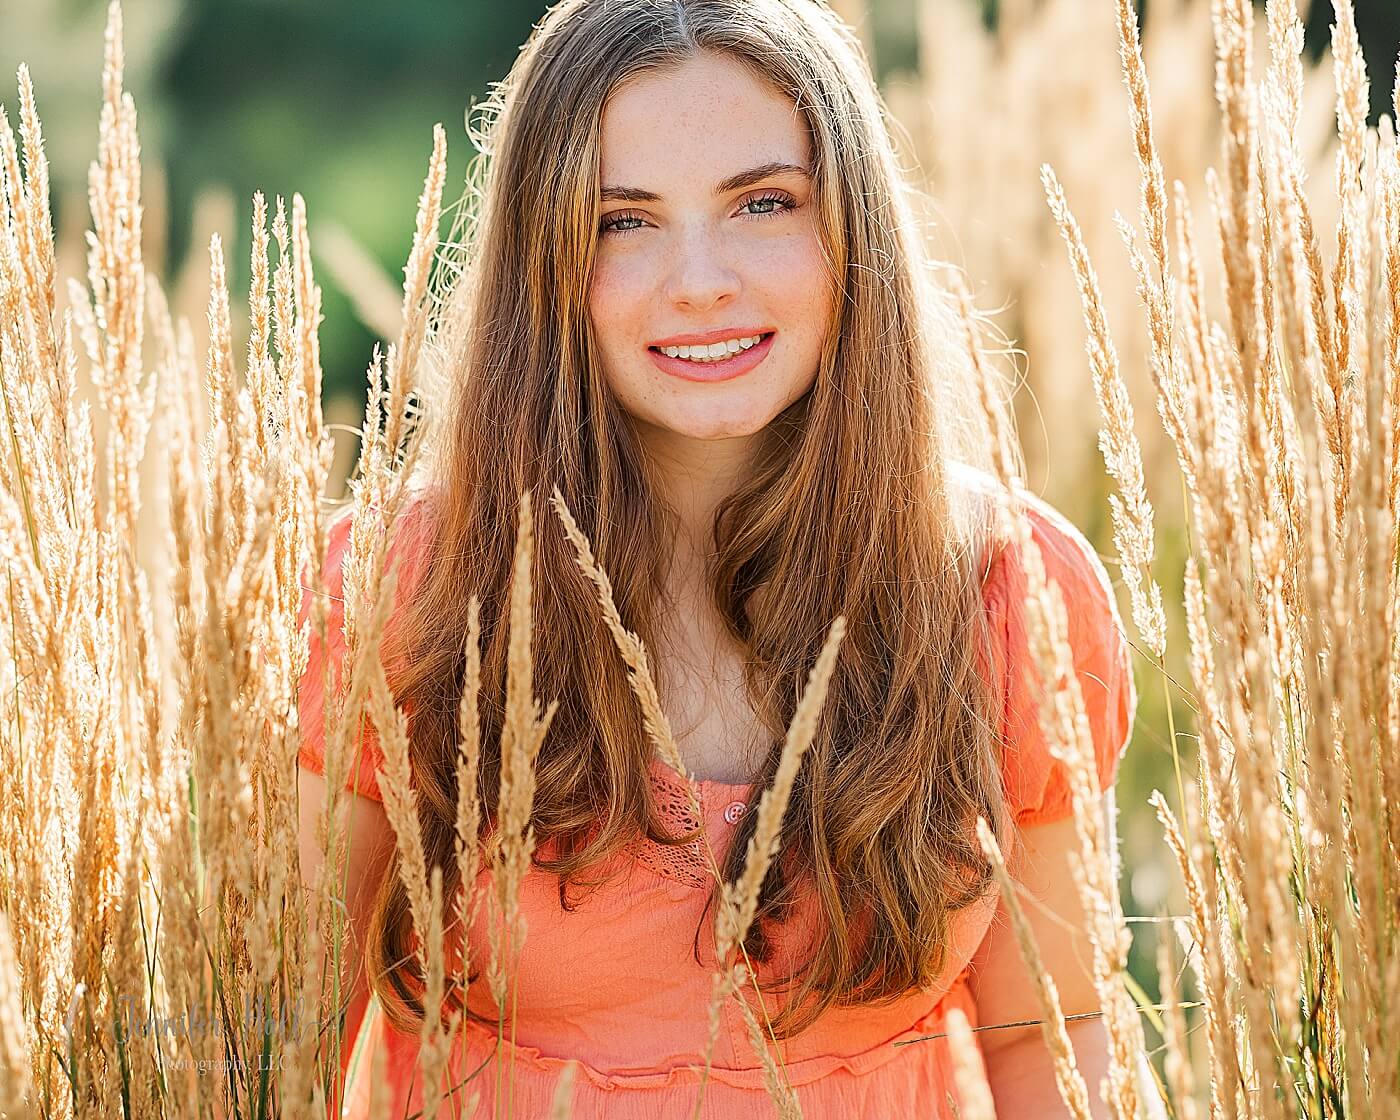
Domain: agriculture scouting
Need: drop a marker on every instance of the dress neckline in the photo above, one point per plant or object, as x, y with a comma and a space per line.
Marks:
707, 785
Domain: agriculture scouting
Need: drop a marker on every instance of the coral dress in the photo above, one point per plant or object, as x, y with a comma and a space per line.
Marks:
615, 986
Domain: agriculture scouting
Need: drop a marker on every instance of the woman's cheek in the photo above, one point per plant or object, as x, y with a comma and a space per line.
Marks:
606, 302
820, 291
792, 263
620, 281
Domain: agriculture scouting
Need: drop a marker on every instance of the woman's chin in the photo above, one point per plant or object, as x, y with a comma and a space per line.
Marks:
714, 429
706, 422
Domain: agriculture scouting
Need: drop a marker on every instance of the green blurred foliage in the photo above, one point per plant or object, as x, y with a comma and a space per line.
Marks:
337, 102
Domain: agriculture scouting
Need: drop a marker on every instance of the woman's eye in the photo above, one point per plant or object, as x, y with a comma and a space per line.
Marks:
785, 200
610, 223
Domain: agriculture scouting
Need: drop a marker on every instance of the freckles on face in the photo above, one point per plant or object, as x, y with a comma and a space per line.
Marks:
681, 252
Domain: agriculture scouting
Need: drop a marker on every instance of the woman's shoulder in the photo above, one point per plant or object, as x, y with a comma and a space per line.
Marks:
409, 534
409, 530
1070, 558
1037, 783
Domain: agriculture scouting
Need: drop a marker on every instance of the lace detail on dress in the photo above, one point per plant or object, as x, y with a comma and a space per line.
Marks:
684, 865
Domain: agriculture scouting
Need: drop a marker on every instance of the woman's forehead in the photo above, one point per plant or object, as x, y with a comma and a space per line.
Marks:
708, 112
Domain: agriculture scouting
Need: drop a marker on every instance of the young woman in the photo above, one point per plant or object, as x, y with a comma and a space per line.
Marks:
696, 303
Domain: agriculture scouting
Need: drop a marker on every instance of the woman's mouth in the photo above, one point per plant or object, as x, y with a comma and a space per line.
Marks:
722, 369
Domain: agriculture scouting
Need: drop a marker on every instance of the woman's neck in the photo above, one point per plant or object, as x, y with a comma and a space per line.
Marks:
693, 476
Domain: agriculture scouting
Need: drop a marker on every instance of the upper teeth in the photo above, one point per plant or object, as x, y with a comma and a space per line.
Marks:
712, 352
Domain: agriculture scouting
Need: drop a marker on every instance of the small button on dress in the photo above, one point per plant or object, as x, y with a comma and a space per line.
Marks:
734, 811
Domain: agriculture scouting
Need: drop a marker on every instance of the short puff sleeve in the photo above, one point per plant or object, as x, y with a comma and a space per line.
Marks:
1035, 782
407, 544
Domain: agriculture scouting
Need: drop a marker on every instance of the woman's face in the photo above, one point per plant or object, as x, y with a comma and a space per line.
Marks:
692, 249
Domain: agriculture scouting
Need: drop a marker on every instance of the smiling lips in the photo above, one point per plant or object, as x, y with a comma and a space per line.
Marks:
713, 351
721, 369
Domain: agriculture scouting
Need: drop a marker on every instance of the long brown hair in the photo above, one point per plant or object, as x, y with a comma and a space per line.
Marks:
853, 478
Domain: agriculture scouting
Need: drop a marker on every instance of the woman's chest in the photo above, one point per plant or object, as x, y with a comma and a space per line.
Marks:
701, 685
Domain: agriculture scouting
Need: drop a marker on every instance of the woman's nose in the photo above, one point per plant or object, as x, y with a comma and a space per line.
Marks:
701, 274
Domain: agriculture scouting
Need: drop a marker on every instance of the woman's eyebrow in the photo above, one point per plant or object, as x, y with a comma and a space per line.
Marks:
735, 182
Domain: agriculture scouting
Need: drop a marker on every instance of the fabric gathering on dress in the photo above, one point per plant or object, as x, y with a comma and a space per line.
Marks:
614, 985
